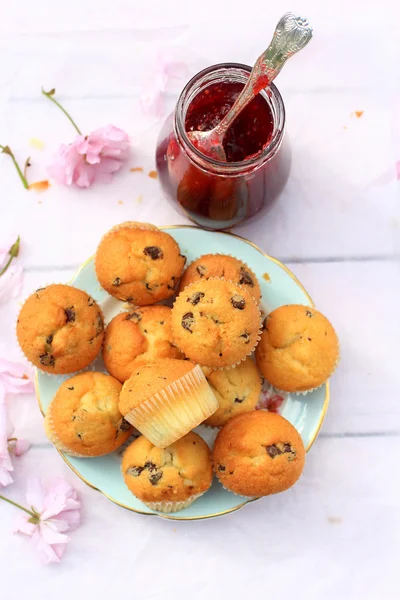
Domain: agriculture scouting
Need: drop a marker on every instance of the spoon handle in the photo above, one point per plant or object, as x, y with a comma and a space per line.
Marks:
292, 33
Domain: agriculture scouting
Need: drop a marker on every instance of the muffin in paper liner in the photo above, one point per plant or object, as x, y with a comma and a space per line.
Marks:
245, 331
257, 454
84, 413
195, 272
59, 329
174, 408
298, 348
138, 263
170, 479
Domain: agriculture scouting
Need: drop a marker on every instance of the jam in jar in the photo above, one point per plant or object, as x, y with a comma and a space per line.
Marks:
215, 194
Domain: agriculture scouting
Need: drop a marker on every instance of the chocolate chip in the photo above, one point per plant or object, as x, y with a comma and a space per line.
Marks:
195, 298
79, 435
161, 322
187, 321
273, 450
230, 472
287, 448
154, 478
148, 287
90, 301
129, 299
49, 339
40, 289
221, 468
201, 270
134, 471
239, 400
309, 339
150, 466
125, 426
99, 324
135, 317
117, 281
171, 286
220, 354
309, 313
70, 314
47, 360
238, 302
71, 388
154, 252
245, 278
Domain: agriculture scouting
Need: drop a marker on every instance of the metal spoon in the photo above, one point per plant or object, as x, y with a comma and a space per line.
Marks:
291, 35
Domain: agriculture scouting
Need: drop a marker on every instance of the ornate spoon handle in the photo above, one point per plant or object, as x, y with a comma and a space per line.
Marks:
292, 33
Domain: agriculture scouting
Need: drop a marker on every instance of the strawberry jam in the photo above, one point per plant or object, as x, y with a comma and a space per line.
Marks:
216, 194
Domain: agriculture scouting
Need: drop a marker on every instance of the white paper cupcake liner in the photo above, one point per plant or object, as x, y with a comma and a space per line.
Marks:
175, 410
171, 507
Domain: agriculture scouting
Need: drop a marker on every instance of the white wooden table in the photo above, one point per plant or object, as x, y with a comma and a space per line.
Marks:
337, 533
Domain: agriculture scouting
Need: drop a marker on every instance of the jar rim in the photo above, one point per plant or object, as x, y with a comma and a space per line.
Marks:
250, 164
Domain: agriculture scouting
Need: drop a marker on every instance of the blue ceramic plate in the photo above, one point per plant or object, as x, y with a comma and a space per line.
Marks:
279, 286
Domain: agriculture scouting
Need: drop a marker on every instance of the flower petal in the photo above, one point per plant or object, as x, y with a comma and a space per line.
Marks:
21, 446
50, 533
23, 526
46, 552
35, 494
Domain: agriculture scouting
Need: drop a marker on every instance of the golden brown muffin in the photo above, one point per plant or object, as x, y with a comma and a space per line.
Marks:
138, 263
298, 350
135, 338
237, 391
215, 323
167, 398
60, 329
171, 479
257, 454
221, 266
83, 418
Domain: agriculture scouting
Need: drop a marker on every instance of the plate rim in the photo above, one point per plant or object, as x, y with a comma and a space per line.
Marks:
172, 517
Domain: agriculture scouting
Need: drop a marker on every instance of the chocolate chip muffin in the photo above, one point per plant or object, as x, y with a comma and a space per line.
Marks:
257, 454
215, 323
221, 266
298, 350
83, 418
166, 398
60, 329
135, 338
237, 391
138, 263
170, 479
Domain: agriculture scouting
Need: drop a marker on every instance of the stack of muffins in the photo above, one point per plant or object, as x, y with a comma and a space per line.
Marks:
172, 369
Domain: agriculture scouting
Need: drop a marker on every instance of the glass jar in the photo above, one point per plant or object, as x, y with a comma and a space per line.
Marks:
215, 194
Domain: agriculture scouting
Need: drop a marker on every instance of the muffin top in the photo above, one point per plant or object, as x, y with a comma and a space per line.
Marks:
60, 329
237, 391
135, 338
150, 378
84, 415
138, 263
215, 322
222, 266
298, 349
175, 473
258, 453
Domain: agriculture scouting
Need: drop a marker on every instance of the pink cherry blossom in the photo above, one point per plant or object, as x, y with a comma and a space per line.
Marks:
55, 511
152, 97
95, 157
13, 380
